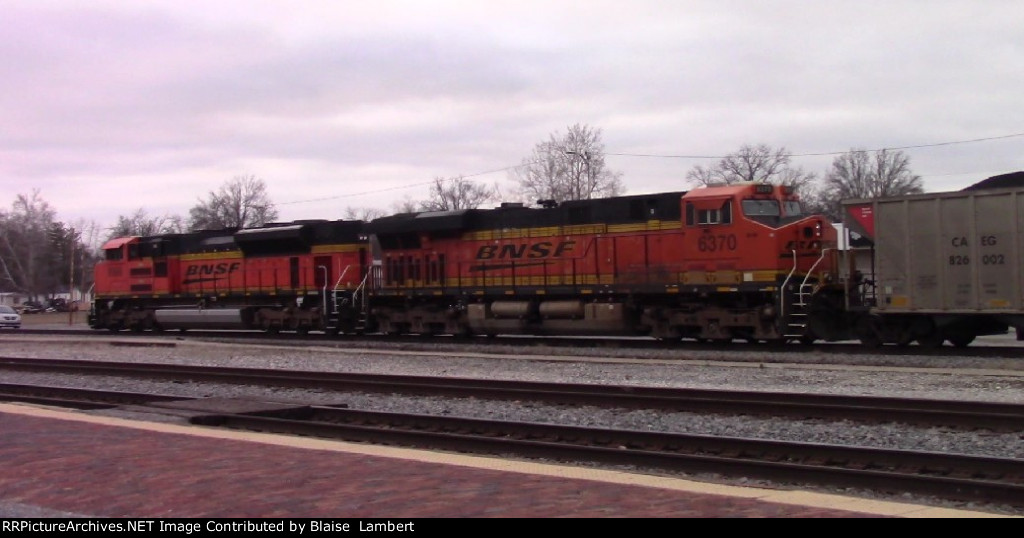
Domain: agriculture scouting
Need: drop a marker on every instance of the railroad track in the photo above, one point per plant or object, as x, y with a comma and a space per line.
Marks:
625, 344
959, 414
947, 476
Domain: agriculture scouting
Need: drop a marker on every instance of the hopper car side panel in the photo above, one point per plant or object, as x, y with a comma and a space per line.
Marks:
947, 266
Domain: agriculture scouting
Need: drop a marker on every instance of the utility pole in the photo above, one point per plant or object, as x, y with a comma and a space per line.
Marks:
578, 187
71, 279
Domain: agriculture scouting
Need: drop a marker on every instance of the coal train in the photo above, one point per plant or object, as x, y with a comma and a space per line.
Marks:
718, 263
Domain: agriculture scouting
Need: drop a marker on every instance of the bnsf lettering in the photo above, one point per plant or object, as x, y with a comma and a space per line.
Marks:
803, 245
543, 249
211, 269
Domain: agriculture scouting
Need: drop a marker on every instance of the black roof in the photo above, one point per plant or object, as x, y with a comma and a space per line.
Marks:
616, 210
1002, 181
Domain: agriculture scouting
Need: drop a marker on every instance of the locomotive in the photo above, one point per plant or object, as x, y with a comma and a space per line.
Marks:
716, 263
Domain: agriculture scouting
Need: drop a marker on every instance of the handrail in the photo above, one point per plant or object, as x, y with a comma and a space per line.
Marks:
323, 293
340, 278
782, 298
360, 292
811, 270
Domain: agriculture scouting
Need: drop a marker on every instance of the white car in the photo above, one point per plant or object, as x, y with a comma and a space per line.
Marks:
9, 318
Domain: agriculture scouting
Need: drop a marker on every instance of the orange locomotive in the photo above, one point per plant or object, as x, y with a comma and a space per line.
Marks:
715, 263
297, 276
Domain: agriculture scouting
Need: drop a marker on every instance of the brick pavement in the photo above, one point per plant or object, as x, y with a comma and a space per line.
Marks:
107, 467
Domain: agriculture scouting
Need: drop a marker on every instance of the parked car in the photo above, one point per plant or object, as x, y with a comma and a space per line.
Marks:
9, 318
29, 307
57, 305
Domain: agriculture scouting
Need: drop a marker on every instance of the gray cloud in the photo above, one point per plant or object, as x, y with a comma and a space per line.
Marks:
107, 107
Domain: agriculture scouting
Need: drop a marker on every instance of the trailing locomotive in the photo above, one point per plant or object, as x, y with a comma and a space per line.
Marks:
297, 276
715, 263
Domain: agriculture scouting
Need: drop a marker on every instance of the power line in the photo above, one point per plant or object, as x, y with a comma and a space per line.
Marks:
402, 187
955, 142
656, 156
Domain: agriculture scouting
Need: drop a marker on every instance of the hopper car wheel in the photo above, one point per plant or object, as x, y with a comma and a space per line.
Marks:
807, 340
931, 340
867, 332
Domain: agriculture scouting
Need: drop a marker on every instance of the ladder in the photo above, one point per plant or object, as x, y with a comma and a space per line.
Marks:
357, 302
797, 318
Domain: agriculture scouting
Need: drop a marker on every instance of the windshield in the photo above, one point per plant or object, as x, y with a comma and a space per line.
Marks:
792, 208
761, 208
6, 309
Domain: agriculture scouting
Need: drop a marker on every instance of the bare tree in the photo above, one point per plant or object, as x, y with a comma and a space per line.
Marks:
406, 205
456, 193
363, 213
242, 202
141, 224
759, 164
24, 245
568, 167
858, 174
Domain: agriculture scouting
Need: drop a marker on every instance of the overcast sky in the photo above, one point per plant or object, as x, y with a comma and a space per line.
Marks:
111, 106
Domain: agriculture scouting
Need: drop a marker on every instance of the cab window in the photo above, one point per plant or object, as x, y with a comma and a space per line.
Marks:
704, 217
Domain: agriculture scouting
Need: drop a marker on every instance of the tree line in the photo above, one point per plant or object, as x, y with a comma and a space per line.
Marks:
40, 255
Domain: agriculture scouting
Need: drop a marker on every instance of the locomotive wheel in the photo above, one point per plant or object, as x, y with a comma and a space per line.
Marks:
961, 340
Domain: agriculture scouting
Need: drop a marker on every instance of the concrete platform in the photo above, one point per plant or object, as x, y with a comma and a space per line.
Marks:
60, 463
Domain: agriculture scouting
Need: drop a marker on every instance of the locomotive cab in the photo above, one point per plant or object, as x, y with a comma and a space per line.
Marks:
755, 241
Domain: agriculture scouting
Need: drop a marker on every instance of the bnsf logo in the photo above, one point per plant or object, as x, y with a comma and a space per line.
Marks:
543, 249
212, 269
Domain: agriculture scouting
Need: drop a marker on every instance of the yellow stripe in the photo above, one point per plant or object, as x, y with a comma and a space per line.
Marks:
575, 229
343, 247
228, 254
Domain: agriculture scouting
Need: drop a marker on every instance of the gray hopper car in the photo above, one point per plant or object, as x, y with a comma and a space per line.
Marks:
940, 266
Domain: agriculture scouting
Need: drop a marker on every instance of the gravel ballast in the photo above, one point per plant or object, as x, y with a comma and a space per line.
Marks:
994, 380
